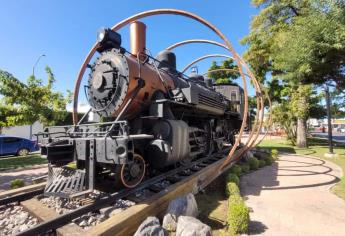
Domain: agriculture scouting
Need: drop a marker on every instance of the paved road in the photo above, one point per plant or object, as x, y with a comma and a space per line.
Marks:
338, 137
292, 197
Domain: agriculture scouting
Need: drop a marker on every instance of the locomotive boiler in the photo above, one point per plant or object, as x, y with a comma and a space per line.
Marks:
152, 118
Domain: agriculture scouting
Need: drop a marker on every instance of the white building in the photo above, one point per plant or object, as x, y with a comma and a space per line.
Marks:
23, 131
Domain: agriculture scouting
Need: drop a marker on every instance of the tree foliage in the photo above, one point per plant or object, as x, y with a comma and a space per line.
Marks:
24, 103
224, 77
295, 43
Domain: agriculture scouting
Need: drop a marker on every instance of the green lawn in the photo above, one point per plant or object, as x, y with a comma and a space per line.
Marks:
317, 148
15, 162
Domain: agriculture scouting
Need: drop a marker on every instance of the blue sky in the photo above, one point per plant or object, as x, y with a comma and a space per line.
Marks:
65, 31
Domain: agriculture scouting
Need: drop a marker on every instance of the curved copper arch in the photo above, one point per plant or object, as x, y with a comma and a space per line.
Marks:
270, 120
203, 58
171, 12
225, 47
256, 86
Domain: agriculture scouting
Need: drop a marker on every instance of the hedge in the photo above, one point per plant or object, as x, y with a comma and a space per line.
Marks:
262, 163
232, 189
269, 160
238, 213
245, 168
253, 163
236, 169
274, 154
238, 217
231, 177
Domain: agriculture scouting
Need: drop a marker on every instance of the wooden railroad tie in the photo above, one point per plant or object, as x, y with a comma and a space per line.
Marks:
44, 213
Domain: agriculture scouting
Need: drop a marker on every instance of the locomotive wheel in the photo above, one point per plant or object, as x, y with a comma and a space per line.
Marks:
133, 173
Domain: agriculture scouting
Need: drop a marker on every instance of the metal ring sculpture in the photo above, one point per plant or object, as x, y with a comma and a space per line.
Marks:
252, 142
170, 12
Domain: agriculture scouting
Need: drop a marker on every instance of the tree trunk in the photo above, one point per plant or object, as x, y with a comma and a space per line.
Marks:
302, 133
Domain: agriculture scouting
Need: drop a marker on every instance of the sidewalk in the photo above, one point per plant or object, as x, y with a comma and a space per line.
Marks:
292, 197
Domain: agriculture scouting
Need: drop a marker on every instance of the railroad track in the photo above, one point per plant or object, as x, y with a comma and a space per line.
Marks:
190, 178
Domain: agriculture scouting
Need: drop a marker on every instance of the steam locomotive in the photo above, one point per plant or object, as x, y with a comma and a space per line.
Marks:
153, 118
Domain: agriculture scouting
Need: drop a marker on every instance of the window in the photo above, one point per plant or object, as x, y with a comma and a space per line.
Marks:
11, 140
233, 96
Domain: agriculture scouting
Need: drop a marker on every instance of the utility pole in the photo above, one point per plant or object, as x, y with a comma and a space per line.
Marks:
329, 118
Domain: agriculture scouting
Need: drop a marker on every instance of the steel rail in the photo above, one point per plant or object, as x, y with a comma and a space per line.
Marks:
170, 12
107, 200
21, 196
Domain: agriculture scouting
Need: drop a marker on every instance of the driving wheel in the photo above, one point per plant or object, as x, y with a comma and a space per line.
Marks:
133, 173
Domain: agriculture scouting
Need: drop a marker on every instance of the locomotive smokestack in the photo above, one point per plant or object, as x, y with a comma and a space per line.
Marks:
137, 37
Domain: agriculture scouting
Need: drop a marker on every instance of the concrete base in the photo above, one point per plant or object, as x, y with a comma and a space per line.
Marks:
330, 155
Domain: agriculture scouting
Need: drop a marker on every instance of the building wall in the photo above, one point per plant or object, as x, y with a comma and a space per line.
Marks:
23, 131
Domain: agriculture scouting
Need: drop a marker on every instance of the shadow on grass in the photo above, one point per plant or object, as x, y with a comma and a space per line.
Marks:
281, 148
213, 204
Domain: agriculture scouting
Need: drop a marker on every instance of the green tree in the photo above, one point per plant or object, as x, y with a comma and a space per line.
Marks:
224, 77
24, 103
300, 42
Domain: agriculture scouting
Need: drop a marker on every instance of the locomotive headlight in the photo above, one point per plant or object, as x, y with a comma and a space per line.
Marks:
101, 35
107, 36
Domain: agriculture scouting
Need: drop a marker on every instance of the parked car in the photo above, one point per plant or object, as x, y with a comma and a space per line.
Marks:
10, 145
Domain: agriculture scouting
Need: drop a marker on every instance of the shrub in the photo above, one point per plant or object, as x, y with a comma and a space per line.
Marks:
253, 163
262, 163
72, 165
17, 183
233, 178
274, 154
232, 189
245, 168
238, 216
236, 169
269, 160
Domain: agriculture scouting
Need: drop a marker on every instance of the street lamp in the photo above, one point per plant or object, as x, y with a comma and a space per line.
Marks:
38, 59
33, 74
329, 118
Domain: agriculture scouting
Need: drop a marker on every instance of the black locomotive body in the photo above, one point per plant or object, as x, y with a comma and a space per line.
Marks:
153, 118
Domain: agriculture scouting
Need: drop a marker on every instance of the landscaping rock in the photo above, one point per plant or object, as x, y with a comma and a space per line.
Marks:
190, 226
261, 154
248, 155
182, 206
150, 226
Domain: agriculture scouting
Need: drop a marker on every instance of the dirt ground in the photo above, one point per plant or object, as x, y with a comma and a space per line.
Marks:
292, 197
27, 174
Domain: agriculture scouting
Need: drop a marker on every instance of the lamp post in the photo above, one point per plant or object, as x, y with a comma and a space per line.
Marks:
33, 74
38, 59
329, 118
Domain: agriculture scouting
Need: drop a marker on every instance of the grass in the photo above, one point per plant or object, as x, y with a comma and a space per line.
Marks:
317, 148
15, 162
